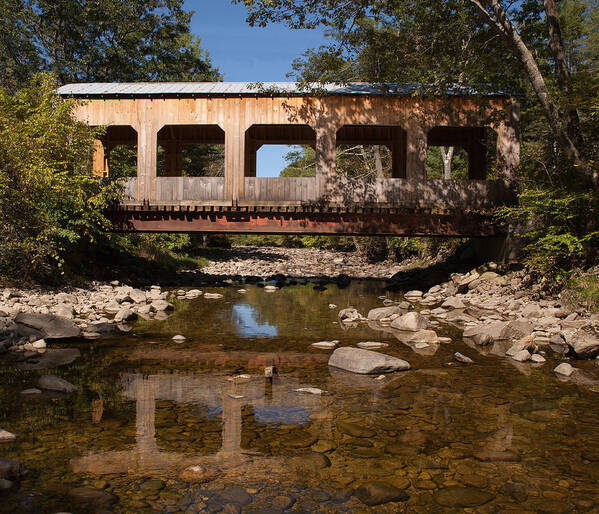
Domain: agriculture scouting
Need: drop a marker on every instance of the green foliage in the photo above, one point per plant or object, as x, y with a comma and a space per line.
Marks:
51, 205
582, 290
104, 40
557, 227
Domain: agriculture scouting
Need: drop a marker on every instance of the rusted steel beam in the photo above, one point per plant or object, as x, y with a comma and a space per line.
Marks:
326, 223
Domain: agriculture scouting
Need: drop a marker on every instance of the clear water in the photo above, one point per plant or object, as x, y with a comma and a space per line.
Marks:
491, 437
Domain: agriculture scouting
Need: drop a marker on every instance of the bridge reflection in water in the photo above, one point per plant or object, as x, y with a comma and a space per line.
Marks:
272, 401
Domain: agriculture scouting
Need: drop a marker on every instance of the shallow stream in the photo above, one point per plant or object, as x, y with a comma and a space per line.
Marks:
495, 436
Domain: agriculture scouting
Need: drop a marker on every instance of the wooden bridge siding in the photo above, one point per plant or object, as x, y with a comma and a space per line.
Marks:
416, 115
188, 189
280, 189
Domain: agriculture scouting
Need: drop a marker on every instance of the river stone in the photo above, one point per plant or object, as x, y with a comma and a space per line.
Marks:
371, 345
298, 439
585, 346
411, 322
125, 314
461, 497
213, 296
564, 369
199, 474
31, 391
424, 336
282, 502
539, 359
98, 499
521, 356
325, 345
496, 456
54, 383
354, 429
383, 312
48, 326
377, 493
310, 461
323, 446
462, 358
11, 469
51, 358
6, 437
179, 338
5, 485
152, 485
453, 302
366, 362
161, 305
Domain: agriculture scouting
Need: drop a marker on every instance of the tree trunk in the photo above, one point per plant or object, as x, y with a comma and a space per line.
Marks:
447, 158
378, 162
502, 24
562, 73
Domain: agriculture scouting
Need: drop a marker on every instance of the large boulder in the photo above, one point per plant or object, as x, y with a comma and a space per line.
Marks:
49, 326
500, 330
383, 312
453, 302
410, 321
54, 383
583, 344
348, 315
366, 362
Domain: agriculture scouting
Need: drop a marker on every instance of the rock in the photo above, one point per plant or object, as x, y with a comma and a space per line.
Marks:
5, 485
113, 307
323, 446
6, 437
462, 358
270, 288
371, 345
349, 314
161, 305
424, 336
199, 474
521, 356
496, 456
213, 296
523, 344
383, 312
584, 345
125, 314
64, 310
310, 390
532, 310
453, 302
354, 429
325, 345
51, 358
95, 499
536, 358
236, 495
564, 369
377, 492
33, 390
48, 326
517, 329
482, 339
461, 497
179, 338
54, 383
137, 296
365, 362
282, 502
414, 294
411, 321
39, 344
11, 469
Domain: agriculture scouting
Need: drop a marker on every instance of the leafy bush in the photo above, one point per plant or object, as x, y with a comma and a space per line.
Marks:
582, 290
559, 228
51, 205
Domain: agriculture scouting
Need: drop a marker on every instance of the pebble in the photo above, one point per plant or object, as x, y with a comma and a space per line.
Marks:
179, 338
310, 390
6, 436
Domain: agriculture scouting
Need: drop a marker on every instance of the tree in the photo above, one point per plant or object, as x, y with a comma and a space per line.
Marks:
100, 40
439, 42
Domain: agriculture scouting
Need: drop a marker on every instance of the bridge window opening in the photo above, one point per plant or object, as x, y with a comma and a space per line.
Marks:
460, 153
191, 151
115, 153
280, 151
371, 151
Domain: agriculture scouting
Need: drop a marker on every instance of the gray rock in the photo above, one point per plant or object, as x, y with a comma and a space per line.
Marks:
125, 314
349, 314
538, 359
383, 312
411, 321
49, 326
54, 383
424, 336
461, 497
6, 437
51, 358
5, 485
65, 310
161, 305
462, 358
31, 391
521, 356
137, 296
584, 345
366, 362
564, 369
453, 302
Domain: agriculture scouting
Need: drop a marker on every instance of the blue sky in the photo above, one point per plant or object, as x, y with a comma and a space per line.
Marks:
243, 53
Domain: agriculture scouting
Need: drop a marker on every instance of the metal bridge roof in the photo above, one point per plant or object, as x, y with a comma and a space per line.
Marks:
191, 89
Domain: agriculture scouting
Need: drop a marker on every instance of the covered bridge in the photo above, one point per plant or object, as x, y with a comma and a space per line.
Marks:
162, 120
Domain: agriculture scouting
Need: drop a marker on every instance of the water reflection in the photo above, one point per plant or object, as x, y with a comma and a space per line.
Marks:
274, 402
247, 322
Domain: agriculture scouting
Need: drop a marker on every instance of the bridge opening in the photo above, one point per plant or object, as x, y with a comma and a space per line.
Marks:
265, 143
191, 151
458, 153
115, 153
371, 151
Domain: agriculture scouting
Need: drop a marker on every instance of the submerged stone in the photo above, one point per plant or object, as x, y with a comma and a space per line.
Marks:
461, 497
366, 362
54, 383
354, 429
377, 493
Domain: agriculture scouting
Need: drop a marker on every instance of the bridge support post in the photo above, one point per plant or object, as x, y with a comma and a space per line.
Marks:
416, 150
100, 159
326, 142
147, 144
508, 144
